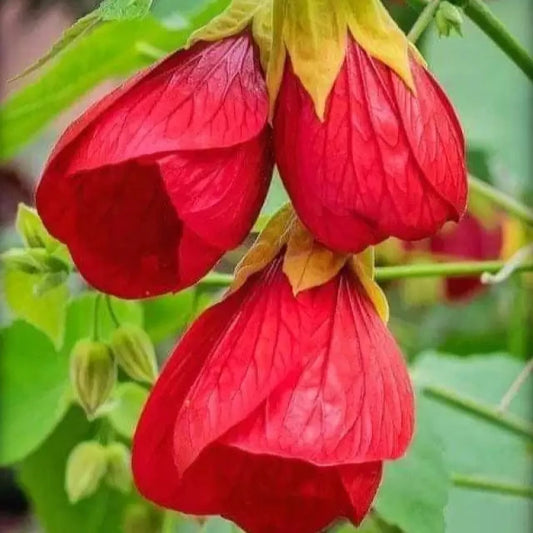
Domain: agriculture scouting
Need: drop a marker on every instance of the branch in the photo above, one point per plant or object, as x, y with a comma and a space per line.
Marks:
492, 485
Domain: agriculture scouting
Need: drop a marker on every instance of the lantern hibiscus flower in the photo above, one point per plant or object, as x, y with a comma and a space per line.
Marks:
154, 183
280, 403
366, 141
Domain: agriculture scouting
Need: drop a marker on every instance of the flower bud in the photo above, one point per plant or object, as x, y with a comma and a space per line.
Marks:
135, 353
119, 473
93, 373
86, 466
448, 18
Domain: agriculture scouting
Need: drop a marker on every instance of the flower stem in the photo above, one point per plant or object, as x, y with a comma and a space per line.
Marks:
492, 485
481, 15
509, 422
423, 21
112, 314
484, 18
515, 387
96, 334
506, 202
421, 270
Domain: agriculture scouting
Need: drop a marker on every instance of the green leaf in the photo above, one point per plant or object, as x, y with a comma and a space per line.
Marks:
124, 9
35, 387
167, 315
414, 492
31, 228
34, 390
42, 476
129, 399
475, 447
46, 311
110, 50
276, 198
79, 28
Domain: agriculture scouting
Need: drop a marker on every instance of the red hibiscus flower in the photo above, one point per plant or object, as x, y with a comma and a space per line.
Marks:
155, 182
377, 154
275, 410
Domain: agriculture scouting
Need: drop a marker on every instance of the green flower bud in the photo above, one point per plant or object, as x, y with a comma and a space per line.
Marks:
135, 353
86, 466
92, 373
448, 18
119, 473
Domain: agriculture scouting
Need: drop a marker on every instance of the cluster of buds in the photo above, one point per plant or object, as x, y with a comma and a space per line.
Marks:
281, 403
42, 255
91, 463
93, 365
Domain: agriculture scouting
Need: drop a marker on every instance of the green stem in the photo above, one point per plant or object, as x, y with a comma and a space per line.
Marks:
506, 202
449, 270
96, 334
509, 422
423, 21
421, 270
481, 15
492, 485
479, 12
114, 317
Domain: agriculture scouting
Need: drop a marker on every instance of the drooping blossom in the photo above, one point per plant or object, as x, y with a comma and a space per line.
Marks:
155, 182
280, 404
367, 143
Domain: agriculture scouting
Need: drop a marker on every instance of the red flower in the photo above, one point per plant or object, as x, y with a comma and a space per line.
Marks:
276, 411
384, 162
469, 240
155, 182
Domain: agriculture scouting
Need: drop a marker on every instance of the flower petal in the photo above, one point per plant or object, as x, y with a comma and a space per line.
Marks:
384, 161
352, 403
210, 96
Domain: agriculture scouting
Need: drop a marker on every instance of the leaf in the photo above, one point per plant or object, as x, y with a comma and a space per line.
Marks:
34, 390
42, 476
167, 315
124, 9
129, 399
79, 28
414, 492
108, 51
307, 263
46, 311
475, 447
31, 228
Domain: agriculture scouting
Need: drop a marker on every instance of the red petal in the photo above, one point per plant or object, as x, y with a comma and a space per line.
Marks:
352, 403
384, 162
210, 96
469, 239
126, 237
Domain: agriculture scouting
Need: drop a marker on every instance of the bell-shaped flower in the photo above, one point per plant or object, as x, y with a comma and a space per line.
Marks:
154, 183
280, 404
367, 143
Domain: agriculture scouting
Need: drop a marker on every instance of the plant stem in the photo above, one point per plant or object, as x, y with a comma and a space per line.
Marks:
506, 202
480, 14
515, 387
509, 422
114, 317
423, 21
492, 485
458, 269
484, 18
421, 270
96, 334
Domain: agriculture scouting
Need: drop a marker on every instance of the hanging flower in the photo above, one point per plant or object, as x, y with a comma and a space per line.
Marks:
153, 184
280, 403
367, 143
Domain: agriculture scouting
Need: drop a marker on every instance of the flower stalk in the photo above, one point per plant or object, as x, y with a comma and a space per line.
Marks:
422, 270
482, 16
423, 21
